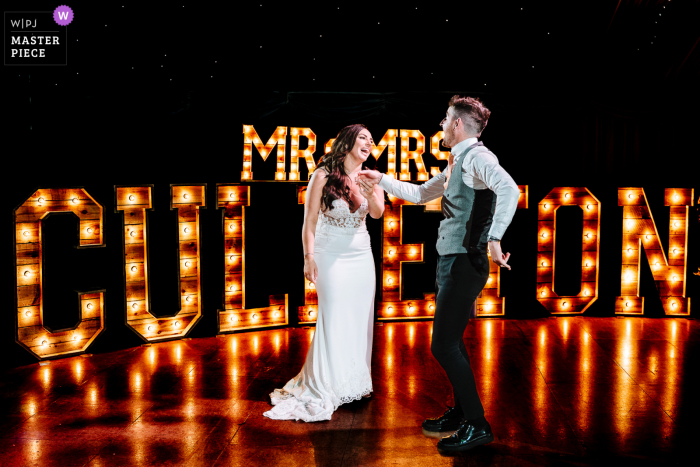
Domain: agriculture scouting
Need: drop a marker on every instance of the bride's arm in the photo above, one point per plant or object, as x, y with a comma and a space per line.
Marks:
312, 205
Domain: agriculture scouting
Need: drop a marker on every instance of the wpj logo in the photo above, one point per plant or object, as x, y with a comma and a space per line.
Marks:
33, 38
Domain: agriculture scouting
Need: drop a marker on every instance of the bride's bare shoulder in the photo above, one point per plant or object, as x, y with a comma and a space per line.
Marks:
319, 176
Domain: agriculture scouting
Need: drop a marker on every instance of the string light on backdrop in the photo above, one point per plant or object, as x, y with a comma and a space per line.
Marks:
639, 230
133, 202
233, 199
30, 331
590, 238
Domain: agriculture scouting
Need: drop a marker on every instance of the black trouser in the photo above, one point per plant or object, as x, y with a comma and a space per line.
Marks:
460, 279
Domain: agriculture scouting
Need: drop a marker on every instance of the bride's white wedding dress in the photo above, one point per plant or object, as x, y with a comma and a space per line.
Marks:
337, 367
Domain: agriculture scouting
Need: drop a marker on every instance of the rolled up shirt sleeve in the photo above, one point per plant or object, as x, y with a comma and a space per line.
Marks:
485, 167
417, 194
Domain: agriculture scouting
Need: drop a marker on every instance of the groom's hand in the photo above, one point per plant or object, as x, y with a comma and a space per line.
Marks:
497, 255
370, 177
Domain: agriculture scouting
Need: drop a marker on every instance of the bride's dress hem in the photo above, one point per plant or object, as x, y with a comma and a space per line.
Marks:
288, 407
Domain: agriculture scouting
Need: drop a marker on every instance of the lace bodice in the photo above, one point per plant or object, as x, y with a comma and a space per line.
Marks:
341, 216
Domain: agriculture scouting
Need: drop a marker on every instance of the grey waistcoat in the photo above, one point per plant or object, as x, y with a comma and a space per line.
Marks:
468, 213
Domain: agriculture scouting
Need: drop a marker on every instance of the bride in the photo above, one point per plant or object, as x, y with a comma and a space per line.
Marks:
338, 259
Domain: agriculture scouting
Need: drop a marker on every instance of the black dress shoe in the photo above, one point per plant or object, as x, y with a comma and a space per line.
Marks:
450, 420
466, 437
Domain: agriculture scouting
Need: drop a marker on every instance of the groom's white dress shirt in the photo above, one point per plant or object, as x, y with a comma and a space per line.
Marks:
480, 171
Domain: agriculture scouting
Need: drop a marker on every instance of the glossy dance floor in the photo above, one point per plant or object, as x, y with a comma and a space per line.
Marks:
564, 391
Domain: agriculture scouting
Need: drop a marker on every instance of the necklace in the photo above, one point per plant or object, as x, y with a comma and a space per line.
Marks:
350, 174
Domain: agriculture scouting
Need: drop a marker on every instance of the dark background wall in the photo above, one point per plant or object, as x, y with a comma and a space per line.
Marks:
592, 112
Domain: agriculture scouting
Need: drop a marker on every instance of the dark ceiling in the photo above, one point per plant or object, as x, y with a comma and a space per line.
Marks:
613, 47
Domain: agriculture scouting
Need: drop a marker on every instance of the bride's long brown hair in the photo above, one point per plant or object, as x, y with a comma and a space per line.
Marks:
337, 183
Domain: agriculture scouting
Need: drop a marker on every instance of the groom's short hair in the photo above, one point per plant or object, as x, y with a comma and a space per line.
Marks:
472, 111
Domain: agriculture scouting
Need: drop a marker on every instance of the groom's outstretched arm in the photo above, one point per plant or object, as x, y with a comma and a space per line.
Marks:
417, 194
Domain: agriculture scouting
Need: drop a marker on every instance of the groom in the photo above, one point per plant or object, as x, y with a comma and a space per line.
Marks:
479, 199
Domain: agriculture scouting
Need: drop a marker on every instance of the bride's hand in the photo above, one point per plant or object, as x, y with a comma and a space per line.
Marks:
310, 269
366, 189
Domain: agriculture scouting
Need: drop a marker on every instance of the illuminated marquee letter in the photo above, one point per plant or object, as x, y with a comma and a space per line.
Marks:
546, 220
416, 155
394, 254
30, 331
639, 229
387, 142
490, 302
251, 138
134, 201
435, 151
233, 199
306, 153
308, 312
